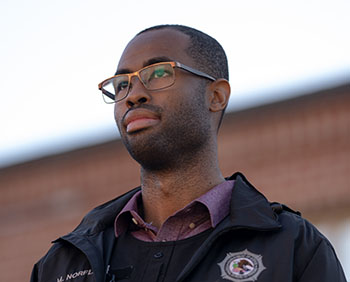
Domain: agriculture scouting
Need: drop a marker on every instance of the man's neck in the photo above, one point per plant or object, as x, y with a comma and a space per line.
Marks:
165, 192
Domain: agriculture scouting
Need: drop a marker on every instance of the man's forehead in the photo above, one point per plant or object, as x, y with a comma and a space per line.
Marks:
155, 46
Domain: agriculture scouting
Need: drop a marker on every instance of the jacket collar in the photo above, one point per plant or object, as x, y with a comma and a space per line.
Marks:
250, 208
104, 215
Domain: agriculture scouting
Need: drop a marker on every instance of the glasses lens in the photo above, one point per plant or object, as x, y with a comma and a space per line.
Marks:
117, 87
108, 98
158, 76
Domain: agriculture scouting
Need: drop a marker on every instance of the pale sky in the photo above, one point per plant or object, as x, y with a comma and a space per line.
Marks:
54, 53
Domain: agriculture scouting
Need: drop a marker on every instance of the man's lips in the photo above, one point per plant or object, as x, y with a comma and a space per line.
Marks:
139, 119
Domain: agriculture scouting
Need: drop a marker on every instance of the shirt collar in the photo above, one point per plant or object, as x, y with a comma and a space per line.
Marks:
216, 200
123, 219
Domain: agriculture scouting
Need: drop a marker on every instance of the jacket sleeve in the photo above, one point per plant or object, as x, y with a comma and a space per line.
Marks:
34, 276
324, 266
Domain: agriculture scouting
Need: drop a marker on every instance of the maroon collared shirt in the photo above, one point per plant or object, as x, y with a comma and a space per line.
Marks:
201, 214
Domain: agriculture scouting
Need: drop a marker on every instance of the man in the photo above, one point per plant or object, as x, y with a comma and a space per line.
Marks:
186, 222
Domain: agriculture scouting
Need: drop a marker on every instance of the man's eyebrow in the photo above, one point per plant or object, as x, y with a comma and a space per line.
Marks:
151, 61
156, 60
123, 71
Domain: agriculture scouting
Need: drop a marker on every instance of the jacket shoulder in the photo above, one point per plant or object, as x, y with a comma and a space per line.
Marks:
293, 222
61, 260
65, 259
314, 256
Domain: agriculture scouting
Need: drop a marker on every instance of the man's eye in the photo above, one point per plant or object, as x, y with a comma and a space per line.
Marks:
159, 73
122, 85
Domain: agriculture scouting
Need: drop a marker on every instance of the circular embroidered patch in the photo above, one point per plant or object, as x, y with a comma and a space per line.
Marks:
241, 266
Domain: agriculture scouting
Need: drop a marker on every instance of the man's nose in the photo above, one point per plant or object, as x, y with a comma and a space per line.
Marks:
138, 94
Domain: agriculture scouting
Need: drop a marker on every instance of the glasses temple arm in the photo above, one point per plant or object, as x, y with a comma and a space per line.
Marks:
194, 71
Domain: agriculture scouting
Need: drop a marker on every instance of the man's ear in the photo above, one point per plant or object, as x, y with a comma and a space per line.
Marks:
219, 95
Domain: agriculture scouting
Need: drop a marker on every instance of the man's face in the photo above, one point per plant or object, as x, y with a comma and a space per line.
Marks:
158, 127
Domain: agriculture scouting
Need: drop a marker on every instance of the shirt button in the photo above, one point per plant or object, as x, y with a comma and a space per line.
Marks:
158, 255
192, 225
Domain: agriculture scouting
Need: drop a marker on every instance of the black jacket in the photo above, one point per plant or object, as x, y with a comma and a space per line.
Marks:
257, 241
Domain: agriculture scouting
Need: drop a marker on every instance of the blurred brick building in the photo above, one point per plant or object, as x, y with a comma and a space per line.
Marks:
295, 151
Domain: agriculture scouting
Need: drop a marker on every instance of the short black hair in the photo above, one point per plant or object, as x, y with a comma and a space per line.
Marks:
207, 53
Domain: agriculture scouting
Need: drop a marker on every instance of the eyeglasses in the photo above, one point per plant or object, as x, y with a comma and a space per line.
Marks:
153, 77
